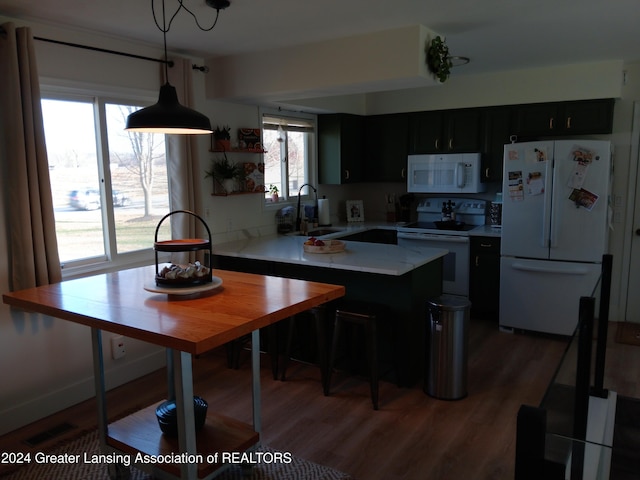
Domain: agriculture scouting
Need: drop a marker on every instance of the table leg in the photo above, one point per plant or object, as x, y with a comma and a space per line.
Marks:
171, 390
255, 375
98, 378
183, 385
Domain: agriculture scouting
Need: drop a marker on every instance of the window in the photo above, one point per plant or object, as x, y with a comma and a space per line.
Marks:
290, 143
109, 186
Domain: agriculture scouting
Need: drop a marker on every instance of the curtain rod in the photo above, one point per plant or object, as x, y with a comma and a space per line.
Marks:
104, 50
170, 63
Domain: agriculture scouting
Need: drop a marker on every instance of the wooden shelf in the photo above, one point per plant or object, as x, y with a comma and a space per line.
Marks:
235, 193
140, 432
237, 150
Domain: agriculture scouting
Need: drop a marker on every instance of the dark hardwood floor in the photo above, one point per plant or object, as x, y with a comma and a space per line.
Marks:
412, 436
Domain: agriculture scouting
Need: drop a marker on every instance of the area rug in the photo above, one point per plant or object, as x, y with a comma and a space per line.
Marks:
296, 469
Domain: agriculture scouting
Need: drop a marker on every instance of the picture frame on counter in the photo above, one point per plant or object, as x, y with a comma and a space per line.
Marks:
355, 211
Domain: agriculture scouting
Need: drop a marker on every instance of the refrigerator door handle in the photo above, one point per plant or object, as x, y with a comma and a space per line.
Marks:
569, 270
546, 214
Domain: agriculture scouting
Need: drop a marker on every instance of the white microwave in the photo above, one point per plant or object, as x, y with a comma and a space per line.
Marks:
444, 173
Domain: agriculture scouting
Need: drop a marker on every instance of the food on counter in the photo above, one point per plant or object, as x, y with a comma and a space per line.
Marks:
183, 273
311, 241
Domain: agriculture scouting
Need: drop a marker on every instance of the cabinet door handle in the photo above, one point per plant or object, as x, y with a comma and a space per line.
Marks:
451, 144
403, 173
347, 175
485, 245
437, 144
487, 172
477, 261
568, 122
551, 123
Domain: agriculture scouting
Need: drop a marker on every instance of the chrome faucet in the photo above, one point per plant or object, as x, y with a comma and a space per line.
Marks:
298, 217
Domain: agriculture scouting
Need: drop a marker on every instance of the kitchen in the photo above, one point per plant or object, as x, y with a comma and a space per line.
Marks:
459, 92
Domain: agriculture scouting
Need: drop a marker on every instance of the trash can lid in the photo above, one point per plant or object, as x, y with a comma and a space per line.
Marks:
450, 302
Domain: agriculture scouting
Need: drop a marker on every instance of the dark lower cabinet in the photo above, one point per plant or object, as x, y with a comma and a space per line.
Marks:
484, 277
376, 235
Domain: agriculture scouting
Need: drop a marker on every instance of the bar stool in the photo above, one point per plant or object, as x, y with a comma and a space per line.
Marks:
319, 313
364, 314
234, 347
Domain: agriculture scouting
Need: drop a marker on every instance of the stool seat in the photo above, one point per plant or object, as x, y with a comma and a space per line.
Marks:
365, 314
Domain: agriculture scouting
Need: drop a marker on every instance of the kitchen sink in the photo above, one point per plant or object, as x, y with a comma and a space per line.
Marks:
318, 232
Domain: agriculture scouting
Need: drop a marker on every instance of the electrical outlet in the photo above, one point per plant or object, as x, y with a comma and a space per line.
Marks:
117, 347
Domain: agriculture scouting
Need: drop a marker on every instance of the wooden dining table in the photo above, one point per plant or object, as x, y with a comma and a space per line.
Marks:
125, 303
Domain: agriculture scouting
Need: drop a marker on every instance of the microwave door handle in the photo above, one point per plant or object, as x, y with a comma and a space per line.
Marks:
459, 175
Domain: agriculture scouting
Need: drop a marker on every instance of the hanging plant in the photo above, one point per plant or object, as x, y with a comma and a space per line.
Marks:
438, 59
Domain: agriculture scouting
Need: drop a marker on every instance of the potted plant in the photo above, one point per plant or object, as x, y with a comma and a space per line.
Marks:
225, 172
222, 138
273, 190
438, 59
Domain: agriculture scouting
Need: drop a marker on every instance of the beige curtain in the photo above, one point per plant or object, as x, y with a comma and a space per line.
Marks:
30, 224
182, 162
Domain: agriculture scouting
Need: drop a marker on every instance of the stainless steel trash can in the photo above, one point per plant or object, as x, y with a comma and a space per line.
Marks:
446, 352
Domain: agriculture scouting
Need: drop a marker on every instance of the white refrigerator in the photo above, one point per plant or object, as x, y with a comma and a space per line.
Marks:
554, 231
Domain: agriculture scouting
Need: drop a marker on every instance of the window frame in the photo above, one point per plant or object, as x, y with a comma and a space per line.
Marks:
311, 166
99, 97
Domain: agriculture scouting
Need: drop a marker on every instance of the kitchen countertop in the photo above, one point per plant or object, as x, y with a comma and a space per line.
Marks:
358, 256
486, 231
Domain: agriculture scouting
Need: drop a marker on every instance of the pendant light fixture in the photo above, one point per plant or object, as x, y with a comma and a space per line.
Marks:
168, 115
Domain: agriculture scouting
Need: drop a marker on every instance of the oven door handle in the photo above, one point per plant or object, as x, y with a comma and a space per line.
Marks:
434, 237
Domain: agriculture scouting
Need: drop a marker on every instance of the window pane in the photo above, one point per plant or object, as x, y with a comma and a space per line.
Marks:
137, 162
73, 167
273, 162
297, 162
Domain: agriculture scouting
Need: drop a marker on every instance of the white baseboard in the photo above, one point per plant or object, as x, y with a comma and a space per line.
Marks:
53, 401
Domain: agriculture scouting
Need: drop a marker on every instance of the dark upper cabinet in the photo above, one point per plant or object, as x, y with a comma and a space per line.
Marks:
564, 118
340, 146
425, 132
496, 132
448, 131
386, 147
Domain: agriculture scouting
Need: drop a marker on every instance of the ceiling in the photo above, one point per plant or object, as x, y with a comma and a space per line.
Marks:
497, 35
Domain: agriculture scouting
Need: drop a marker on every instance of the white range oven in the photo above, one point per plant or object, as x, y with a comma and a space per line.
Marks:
432, 232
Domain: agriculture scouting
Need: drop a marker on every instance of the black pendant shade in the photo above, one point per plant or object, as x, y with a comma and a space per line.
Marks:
168, 116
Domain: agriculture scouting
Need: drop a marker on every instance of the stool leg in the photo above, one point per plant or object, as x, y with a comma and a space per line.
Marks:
323, 361
334, 349
287, 350
372, 351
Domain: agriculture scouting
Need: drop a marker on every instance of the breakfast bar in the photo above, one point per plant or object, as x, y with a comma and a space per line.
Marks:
185, 324
399, 279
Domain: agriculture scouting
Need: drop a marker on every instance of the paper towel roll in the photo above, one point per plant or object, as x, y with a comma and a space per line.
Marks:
323, 211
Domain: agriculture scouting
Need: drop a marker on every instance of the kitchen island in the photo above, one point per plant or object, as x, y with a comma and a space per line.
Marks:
399, 279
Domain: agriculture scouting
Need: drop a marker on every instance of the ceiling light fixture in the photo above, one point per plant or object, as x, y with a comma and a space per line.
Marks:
168, 115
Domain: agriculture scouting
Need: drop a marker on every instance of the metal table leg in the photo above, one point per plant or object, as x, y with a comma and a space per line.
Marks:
255, 375
183, 385
98, 378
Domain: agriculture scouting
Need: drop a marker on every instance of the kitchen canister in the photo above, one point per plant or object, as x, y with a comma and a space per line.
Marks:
323, 211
